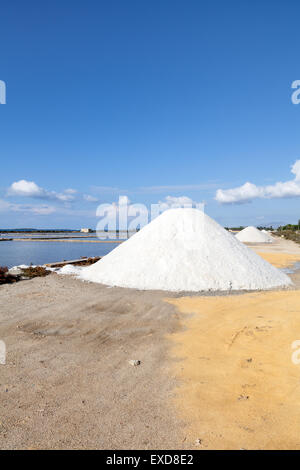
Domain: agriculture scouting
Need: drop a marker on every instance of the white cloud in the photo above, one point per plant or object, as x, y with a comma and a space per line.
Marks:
89, 198
37, 210
42, 210
64, 197
295, 169
244, 193
24, 188
249, 191
181, 201
70, 191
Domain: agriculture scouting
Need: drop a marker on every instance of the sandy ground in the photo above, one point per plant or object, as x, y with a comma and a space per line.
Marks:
214, 368
282, 253
238, 386
280, 245
68, 383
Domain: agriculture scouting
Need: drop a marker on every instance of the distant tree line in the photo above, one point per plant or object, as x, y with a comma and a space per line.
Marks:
236, 229
292, 227
266, 228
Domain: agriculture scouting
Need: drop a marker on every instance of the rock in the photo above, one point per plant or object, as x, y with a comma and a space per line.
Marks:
198, 442
15, 271
243, 397
6, 277
134, 362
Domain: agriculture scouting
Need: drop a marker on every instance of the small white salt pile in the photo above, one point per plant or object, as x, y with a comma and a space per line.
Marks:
268, 235
253, 235
184, 250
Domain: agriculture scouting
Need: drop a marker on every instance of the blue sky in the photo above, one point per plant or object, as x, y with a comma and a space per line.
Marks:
147, 99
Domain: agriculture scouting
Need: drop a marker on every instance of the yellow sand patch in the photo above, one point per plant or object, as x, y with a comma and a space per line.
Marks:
280, 260
239, 387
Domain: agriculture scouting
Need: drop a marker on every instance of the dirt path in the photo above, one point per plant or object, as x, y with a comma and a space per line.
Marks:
67, 382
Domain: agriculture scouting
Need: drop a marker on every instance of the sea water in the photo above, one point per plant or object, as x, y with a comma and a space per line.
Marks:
15, 253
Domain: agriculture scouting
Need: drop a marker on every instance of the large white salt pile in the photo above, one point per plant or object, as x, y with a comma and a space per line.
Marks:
184, 250
253, 235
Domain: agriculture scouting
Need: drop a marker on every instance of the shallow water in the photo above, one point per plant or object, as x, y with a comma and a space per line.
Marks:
123, 235
14, 253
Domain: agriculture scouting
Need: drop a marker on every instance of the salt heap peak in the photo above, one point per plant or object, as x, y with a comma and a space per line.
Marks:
253, 235
184, 250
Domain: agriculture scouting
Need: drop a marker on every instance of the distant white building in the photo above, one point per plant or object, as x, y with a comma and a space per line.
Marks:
86, 230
